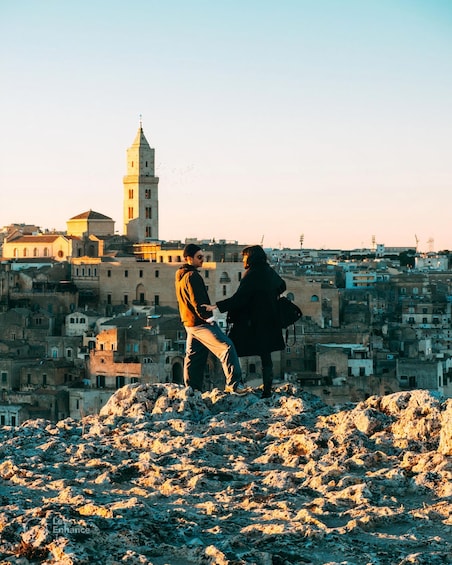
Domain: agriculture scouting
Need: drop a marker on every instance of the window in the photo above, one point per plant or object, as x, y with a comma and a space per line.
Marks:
68, 352
35, 252
148, 212
314, 298
108, 298
44, 379
28, 379
206, 274
126, 273
148, 231
109, 273
141, 273
157, 274
130, 193
126, 299
25, 251
4, 377
100, 381
156, 300
130, 212
147, 193
224, 290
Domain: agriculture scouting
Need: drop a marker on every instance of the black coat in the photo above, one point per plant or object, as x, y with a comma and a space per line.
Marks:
252, 310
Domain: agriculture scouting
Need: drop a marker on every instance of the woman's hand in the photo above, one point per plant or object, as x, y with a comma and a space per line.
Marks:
209, 307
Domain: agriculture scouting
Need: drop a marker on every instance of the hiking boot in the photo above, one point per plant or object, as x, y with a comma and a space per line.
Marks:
237, 388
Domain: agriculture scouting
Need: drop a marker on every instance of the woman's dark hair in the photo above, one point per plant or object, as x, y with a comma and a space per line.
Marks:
255, 255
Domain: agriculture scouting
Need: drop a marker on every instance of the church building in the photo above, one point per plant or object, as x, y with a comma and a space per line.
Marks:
141, 214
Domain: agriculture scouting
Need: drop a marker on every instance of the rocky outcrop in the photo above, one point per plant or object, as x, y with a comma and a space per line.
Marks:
167, 476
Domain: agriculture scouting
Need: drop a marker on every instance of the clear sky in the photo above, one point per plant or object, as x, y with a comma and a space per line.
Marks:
270, 119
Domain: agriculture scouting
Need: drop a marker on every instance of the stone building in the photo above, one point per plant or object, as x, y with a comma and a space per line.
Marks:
141, 213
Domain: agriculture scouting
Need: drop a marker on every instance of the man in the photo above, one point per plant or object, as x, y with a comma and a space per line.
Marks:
203, 333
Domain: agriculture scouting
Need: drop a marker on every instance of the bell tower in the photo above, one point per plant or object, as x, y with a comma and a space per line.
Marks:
141, 212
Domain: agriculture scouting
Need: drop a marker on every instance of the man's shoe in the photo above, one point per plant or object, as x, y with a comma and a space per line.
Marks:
237, 388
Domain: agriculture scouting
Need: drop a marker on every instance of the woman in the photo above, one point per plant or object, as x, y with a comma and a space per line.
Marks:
252, 310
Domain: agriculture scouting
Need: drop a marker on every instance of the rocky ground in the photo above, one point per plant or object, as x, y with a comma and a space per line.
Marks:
165, 476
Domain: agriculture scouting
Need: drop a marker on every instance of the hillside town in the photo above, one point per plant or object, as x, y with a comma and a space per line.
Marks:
86, 311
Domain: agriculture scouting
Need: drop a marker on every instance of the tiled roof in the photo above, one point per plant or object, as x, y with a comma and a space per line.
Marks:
91, 215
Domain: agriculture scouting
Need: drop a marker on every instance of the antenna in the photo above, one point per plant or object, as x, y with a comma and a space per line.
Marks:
262, 240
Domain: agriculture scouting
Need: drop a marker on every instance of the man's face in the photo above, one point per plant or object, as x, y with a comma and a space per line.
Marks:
197, 260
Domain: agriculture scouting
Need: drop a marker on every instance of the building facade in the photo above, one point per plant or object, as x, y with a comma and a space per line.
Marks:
141, 213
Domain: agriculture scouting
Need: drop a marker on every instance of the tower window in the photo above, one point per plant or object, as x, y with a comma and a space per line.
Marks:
130, 193
147, 193
148, 212
130, 212
148, 231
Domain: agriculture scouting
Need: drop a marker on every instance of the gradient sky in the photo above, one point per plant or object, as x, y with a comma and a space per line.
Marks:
328, 118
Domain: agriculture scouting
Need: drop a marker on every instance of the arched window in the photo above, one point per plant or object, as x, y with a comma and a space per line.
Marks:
35, 252
224, 278
314, 298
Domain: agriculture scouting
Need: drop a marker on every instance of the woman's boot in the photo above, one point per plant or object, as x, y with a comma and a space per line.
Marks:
267, 377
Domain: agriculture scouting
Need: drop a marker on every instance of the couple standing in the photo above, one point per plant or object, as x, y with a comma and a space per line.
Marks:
252, 310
